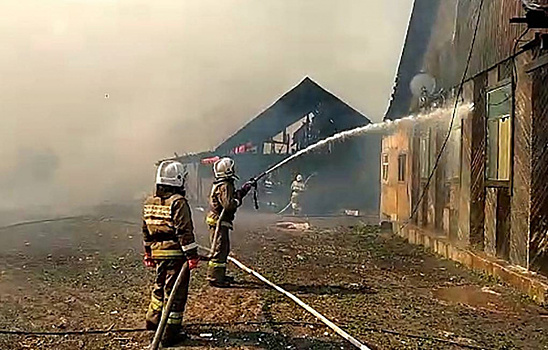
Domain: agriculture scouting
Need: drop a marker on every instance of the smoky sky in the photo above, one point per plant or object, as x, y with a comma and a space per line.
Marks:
93, 92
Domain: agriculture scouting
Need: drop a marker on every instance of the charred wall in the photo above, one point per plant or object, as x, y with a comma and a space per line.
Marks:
346, 176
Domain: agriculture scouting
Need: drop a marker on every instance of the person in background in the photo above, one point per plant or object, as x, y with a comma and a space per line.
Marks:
297, 188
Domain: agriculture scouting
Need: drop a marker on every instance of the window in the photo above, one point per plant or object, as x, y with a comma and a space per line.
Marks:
499, 133
385, 167
454, 146
425, 155
402, 167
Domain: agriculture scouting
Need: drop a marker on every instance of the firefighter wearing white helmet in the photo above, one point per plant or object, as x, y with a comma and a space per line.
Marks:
297, 188
168, 235
224, 197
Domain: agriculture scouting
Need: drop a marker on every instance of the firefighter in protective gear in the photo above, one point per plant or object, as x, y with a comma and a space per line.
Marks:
168, 235
224, 196
297, 188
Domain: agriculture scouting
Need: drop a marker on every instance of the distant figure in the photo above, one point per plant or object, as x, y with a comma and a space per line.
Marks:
297, 188
168, 235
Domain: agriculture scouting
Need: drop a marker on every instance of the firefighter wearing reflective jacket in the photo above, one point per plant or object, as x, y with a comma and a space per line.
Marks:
223, 197
168, 235
297, 188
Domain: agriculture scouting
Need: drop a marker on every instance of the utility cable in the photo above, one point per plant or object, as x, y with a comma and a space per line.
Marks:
450, 129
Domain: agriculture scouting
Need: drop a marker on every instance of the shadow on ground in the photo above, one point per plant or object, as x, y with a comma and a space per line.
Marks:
258, 339
316, 289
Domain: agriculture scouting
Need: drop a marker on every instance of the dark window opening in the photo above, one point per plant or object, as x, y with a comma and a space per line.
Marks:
499, 133
385, 167
402, 167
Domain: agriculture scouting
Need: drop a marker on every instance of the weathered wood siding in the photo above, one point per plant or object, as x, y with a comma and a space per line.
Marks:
511, 221
395, 194
539, 185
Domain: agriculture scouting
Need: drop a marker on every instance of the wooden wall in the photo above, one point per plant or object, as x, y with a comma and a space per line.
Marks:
510, 222
539, 184
396, 195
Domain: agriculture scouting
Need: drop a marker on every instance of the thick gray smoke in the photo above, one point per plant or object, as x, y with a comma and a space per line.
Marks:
92, 93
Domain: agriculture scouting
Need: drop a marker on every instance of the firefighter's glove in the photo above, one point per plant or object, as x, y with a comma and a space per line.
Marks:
148, 261
248, 186
193, 263
191, 253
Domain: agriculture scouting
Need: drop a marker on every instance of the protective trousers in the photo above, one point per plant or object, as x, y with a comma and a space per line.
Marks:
167, 272
295, 203
216, 271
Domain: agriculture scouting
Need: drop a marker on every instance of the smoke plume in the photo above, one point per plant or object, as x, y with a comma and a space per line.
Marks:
94, 92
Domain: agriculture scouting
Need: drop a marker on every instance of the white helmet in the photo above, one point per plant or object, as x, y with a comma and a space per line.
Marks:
224, 168
170, 173
299, 178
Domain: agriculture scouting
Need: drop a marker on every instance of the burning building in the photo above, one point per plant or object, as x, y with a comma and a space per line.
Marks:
473, 182
340, 176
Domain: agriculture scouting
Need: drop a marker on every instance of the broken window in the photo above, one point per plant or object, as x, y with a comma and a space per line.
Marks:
499, 133
385, 167
402, 166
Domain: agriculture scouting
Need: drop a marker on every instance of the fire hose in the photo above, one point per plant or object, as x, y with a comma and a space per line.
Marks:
158, 335
165, 315
163, 321
298, 301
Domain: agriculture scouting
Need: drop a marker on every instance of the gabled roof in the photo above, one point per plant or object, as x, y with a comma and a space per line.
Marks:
423, 18
307, 96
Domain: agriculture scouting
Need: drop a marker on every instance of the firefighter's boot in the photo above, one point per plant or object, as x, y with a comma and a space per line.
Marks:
216, 275
173, 336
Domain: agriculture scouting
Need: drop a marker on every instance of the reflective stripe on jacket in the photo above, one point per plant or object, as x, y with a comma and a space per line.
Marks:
223, 196
167, 226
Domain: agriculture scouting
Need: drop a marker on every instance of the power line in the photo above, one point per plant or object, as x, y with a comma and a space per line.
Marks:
450, 129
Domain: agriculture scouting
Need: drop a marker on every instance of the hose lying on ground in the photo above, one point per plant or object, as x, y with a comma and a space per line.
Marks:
325, 321
302, 304
225, 324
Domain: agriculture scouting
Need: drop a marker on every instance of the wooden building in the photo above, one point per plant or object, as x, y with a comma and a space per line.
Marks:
304, 115
484, 185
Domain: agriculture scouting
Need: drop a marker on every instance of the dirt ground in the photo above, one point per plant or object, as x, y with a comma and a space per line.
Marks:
85, 273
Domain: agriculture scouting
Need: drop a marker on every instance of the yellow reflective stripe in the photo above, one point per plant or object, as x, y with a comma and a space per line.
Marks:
213, 222
216, 264
175, 318
190, 246
155, 304
155, 307
174, 321
157, 222
167, 253
155, 300
160, 211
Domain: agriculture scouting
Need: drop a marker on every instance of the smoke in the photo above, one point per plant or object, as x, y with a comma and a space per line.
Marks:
94, 92
438, 114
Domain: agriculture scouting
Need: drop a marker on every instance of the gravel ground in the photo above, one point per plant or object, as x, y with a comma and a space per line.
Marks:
86, 273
